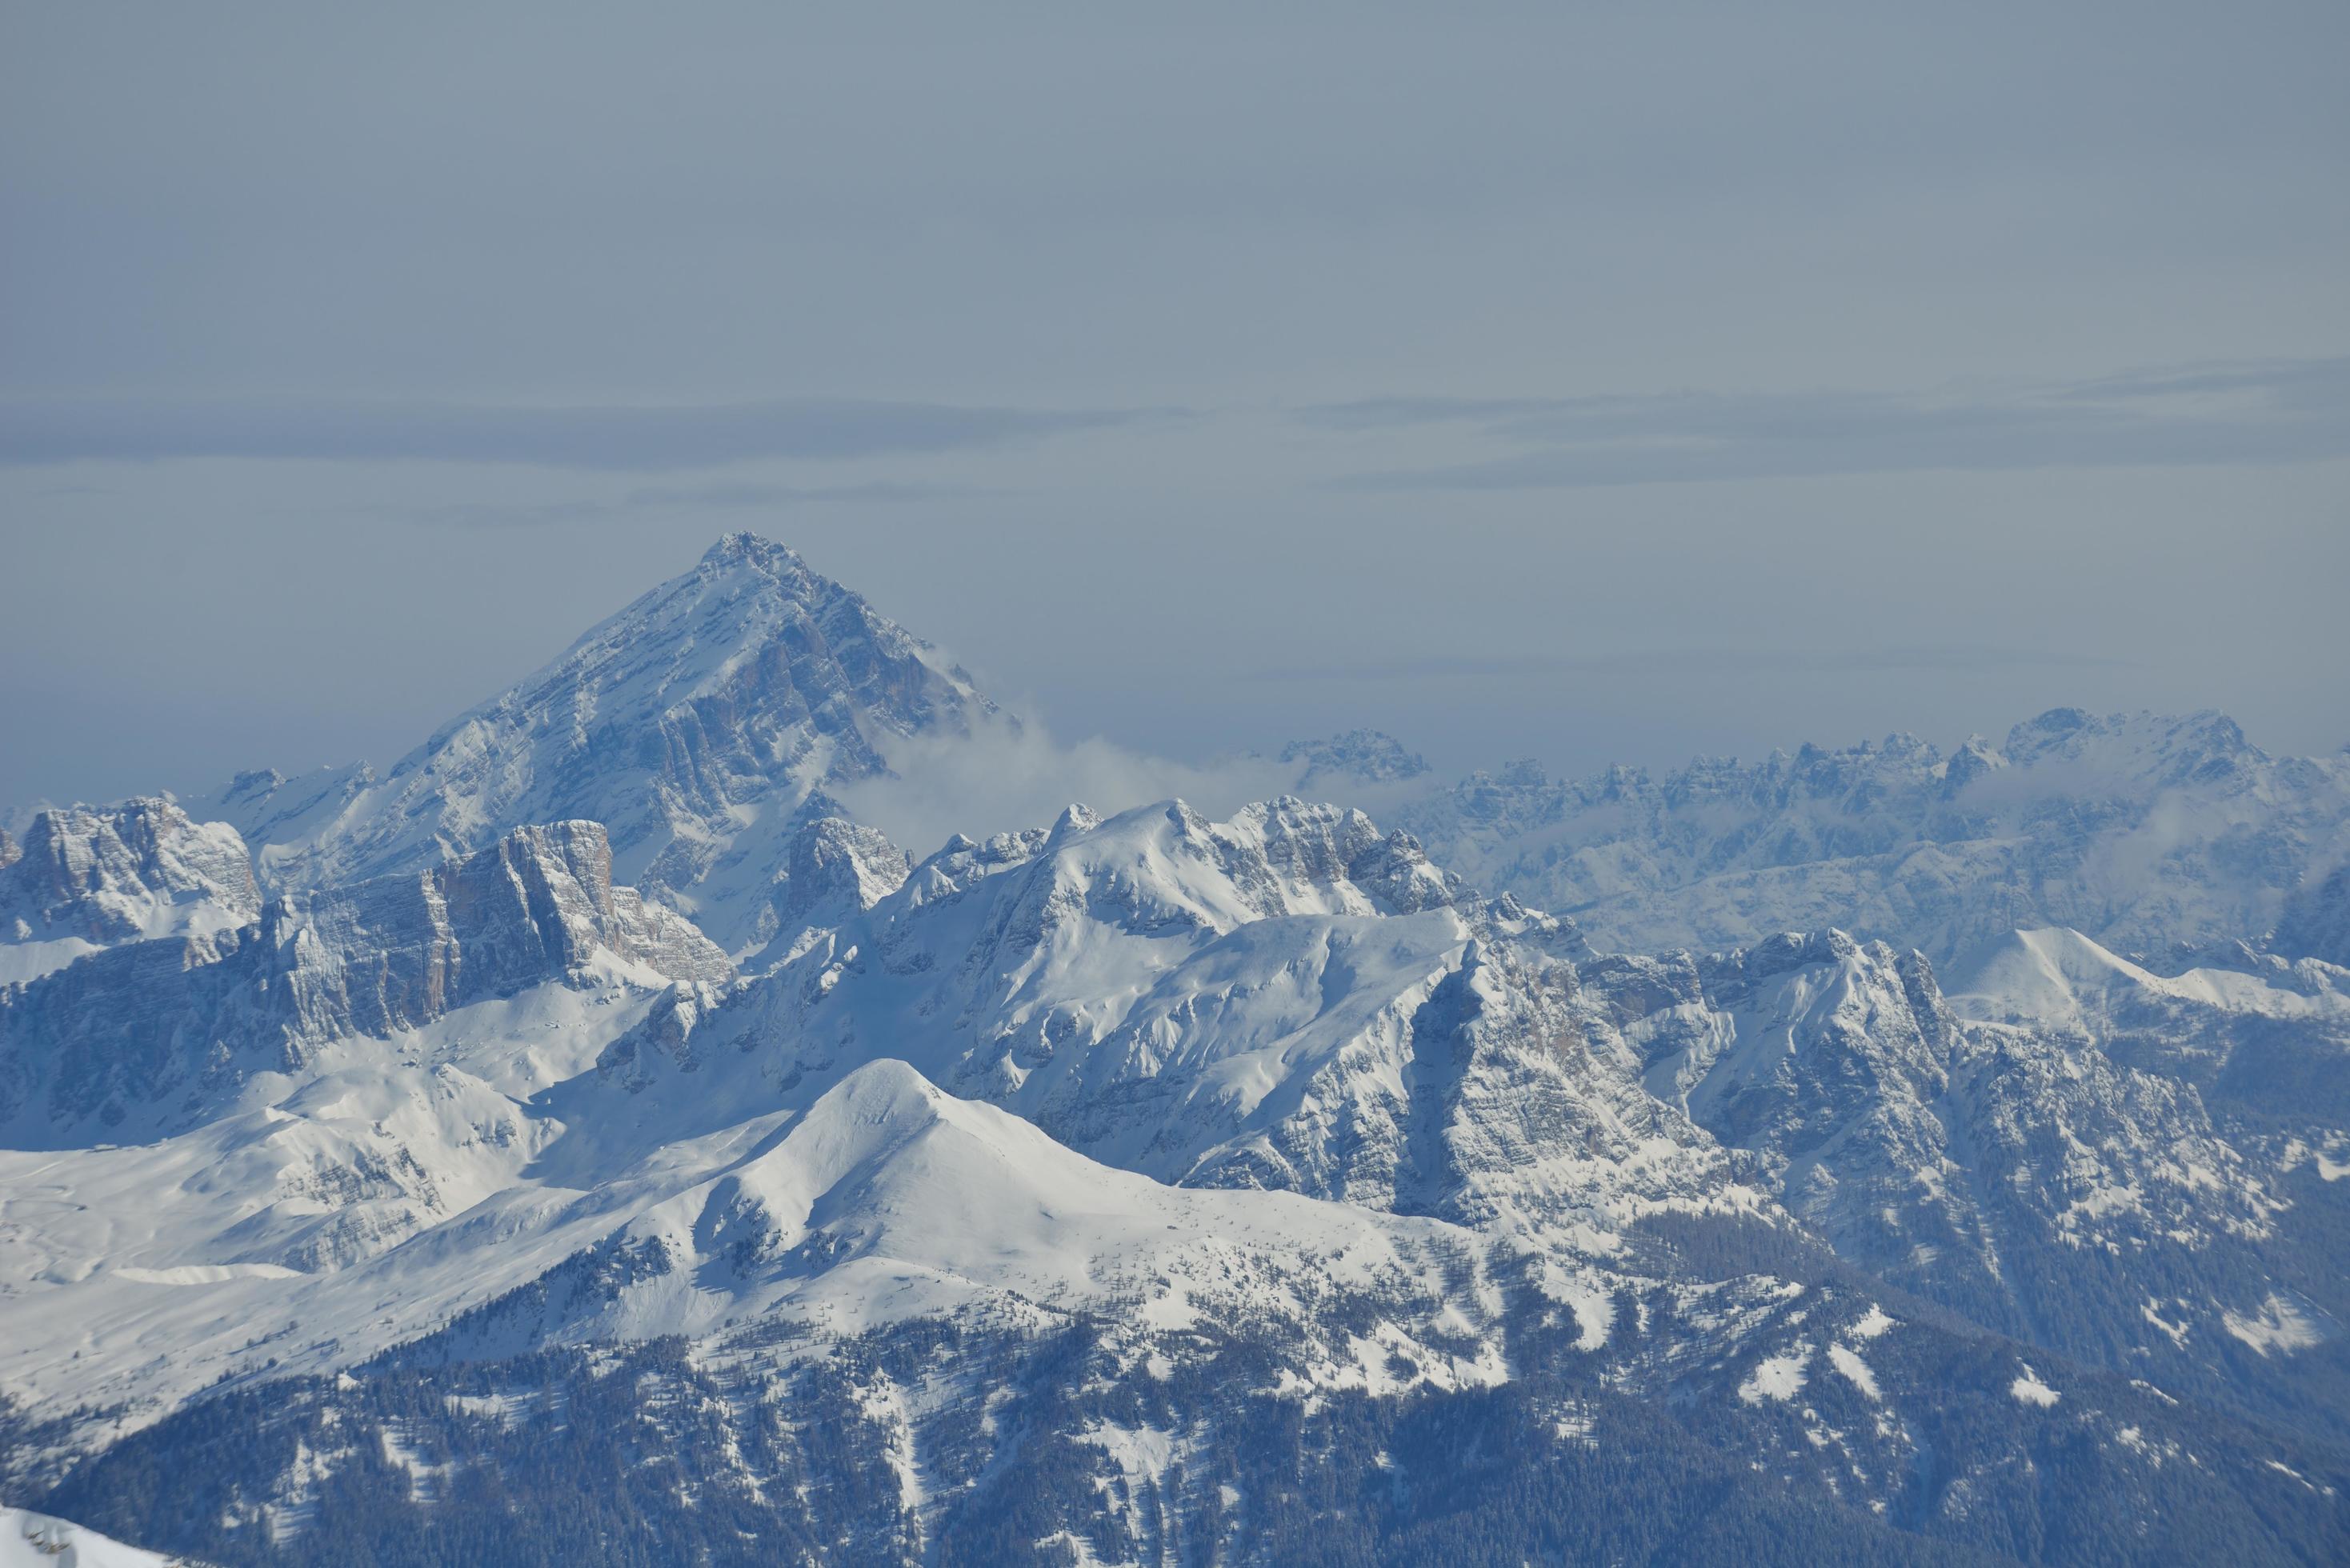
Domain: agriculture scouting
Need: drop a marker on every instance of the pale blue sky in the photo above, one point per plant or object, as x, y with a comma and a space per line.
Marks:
1532, 379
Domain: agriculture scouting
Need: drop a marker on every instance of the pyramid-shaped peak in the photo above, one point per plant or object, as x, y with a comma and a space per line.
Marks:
742, 548
713, 706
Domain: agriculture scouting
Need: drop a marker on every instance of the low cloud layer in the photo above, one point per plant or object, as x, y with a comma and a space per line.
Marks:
761, 498
619, 438
1697, 661
1004, 779
2265, 413
2269, 411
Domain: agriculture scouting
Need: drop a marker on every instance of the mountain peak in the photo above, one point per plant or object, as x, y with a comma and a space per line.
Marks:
700, 724
1361, 756
2200, 747
743, 548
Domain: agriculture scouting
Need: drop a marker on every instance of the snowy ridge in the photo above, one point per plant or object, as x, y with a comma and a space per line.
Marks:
889, 1199
883, 1199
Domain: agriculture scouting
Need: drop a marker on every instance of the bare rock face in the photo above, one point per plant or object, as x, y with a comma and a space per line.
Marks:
86, 877
146, 1034
395, 951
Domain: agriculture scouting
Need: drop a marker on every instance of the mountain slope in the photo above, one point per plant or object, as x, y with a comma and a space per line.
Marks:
693, 724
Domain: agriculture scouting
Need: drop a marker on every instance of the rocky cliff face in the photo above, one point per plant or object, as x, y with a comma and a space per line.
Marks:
85, 878
149, 1035
539, 904
834, 869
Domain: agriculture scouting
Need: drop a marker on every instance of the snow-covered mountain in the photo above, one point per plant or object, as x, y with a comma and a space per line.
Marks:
84, 880
151, 1036
2071, 1150
2149, 834
587, 1142
1452, 1100
1356, 757
694, 724
1289, 1000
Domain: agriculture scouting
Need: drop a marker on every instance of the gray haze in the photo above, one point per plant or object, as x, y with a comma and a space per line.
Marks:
1592, 387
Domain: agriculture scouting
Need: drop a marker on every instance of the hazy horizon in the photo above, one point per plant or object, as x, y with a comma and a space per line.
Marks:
1597, 388
1161, 765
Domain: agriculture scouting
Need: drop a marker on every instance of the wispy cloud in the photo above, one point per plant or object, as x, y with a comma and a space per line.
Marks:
611, 437
2266, 411
1001, 776
1700, 662
728, 497
683, 498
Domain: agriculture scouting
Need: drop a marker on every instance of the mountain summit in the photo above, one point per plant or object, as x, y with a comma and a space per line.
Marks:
694, 724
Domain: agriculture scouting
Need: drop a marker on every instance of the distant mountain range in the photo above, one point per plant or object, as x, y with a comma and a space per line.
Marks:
587, 1141
2167, 838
